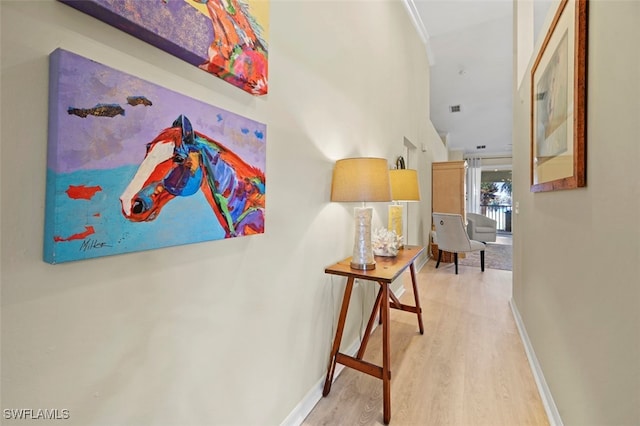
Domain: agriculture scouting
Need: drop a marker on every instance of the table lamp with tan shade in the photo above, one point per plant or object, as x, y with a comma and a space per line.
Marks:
361, 180
404, 188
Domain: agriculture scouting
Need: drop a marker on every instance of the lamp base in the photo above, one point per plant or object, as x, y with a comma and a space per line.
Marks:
395, 220
362, 258
363, 266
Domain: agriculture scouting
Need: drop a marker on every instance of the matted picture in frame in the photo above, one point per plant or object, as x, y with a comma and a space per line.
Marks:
558, 102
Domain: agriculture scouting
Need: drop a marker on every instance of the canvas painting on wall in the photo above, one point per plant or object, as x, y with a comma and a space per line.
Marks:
134, 166
227, 38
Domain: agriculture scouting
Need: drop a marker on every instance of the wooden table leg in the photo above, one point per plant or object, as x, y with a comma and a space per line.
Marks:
338, 338
367, 332
386, 358
416, 297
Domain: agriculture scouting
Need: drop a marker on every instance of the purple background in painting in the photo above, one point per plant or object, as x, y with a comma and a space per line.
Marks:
104, 143
174, 26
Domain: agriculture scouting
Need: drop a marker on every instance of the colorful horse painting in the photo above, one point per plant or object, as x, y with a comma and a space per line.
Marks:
107, 196
179, 162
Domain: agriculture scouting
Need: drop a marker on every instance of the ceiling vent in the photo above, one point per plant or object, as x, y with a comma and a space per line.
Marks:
481, 146
454, 108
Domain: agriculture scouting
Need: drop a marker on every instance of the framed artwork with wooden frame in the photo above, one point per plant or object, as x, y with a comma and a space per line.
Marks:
558, 102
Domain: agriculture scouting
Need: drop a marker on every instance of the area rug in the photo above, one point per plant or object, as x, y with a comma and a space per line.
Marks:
496, 256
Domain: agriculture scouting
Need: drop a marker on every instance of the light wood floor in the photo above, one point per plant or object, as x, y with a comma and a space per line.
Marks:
469, 367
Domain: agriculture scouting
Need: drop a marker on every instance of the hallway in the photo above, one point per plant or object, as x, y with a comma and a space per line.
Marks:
469, 368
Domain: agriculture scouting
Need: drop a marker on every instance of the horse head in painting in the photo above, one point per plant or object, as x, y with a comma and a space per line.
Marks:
179, 162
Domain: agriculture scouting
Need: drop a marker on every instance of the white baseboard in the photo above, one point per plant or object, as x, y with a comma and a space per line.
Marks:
304, 407
423, 261
545, 393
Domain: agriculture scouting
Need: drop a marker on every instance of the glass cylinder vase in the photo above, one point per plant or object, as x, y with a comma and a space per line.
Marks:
362, 249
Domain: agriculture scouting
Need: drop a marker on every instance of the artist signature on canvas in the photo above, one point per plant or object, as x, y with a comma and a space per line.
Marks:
92, 244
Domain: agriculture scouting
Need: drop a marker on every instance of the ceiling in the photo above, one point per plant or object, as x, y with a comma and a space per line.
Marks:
469, 44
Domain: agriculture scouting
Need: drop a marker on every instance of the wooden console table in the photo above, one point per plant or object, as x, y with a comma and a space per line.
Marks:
386, 271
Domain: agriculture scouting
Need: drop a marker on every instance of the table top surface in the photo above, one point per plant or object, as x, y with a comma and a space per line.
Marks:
387, 268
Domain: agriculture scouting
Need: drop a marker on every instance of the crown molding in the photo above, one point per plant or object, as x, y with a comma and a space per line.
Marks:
412, 10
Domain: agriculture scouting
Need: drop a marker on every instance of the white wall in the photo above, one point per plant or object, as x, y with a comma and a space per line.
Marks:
577, 252
456, 155
226, 332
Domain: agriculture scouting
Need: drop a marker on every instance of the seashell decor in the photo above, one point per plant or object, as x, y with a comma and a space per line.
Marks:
385, 242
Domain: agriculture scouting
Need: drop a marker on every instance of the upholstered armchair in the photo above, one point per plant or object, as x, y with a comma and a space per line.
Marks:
452, 237
481, 228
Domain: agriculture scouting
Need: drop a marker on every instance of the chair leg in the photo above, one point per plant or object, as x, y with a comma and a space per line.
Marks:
482, 260
455, 260
439, 257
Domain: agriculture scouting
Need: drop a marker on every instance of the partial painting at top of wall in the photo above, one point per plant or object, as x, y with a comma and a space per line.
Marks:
227, 38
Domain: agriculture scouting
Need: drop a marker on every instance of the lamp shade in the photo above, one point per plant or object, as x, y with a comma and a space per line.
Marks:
361, 179
404, 185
